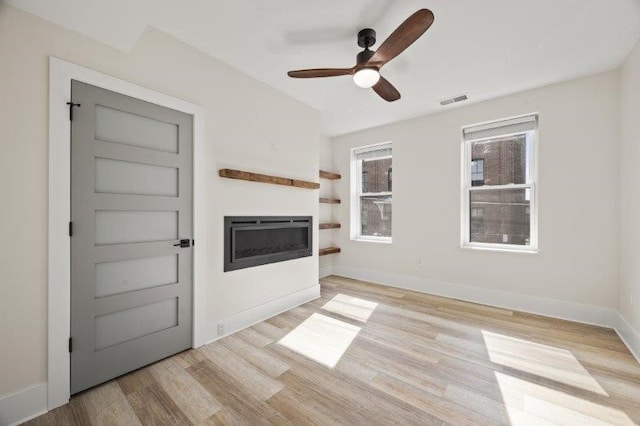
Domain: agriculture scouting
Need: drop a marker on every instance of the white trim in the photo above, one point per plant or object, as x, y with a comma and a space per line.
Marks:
256, 314
373, 239
629, 335
59, 273
356, 185
504, 248
532, 185
355, 176
512, 248
24, 405
493, 187
587, 314
373, 194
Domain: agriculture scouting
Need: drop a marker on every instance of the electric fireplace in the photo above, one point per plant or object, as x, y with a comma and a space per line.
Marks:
259, 240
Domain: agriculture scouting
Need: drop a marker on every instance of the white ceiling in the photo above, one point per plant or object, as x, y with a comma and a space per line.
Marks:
483, 48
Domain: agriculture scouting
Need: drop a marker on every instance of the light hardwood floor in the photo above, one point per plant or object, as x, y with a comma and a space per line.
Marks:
369, 354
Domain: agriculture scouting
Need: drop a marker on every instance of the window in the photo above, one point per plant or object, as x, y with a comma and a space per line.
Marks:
371, 177
477, 172
499, 186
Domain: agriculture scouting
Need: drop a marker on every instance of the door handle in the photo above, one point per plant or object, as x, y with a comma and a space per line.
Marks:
183, 243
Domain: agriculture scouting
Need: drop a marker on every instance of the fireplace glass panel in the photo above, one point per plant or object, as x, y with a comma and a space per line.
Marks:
260, 242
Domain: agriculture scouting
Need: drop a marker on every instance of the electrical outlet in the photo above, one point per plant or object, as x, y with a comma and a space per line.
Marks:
274, 148
420, 262
220, 329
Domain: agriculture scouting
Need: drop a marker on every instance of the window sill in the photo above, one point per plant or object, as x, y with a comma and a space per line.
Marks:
500, 249
381, 240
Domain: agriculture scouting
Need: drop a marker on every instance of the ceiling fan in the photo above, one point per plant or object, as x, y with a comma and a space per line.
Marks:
366, 72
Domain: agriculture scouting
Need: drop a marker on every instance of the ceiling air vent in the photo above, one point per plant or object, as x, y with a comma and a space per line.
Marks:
454, 100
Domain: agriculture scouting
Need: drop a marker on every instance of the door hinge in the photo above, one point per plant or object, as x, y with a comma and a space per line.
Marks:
71, 229
193, 243
70, 344
71, 105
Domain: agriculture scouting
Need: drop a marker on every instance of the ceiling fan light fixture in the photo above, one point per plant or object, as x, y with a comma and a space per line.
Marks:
366, 77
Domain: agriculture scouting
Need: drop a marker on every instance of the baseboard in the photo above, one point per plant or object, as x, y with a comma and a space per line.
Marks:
629, 335
588, 314
23, 405
326, 270
251, 316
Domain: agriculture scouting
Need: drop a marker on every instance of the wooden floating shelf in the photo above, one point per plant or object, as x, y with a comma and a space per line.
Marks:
329, 225
276, 180
329, 201
329, 175
328, 250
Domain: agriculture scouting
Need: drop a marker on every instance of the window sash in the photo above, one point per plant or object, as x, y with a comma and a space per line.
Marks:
495, 187
374, 152
359, 181
533, 233
504, 128
469, 160
375, 194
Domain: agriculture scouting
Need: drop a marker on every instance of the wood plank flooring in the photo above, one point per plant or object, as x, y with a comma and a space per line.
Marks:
369, 354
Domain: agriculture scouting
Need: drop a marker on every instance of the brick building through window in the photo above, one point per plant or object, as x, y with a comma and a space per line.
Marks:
499, 190
375, 210
502, 215
372, 177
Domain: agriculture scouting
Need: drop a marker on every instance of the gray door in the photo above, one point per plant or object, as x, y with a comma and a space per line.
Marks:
131, 204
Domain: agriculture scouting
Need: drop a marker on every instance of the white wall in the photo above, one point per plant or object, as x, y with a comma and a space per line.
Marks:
249, 126
578, 154
629, 191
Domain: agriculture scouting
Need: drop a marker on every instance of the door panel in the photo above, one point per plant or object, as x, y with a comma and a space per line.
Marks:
123, 276
131, 129
131, 201
128, 324
117, 227
125, 177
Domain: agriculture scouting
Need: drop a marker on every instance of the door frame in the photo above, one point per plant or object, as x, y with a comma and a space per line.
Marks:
61, 73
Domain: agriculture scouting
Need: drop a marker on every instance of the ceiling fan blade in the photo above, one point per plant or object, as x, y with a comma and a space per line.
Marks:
386, 90
320, 72
404, 36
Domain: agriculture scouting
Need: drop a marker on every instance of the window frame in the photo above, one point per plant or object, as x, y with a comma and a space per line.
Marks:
356, 195
532, 185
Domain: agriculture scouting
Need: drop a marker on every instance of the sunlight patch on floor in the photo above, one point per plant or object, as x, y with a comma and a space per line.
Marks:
541, 360
350, 307
321, 338
528, 403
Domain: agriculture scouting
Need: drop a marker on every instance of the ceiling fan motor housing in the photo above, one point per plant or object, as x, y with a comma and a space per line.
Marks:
366, 38
364, 56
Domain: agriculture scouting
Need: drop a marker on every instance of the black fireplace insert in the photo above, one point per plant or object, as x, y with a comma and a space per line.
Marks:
258, 240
